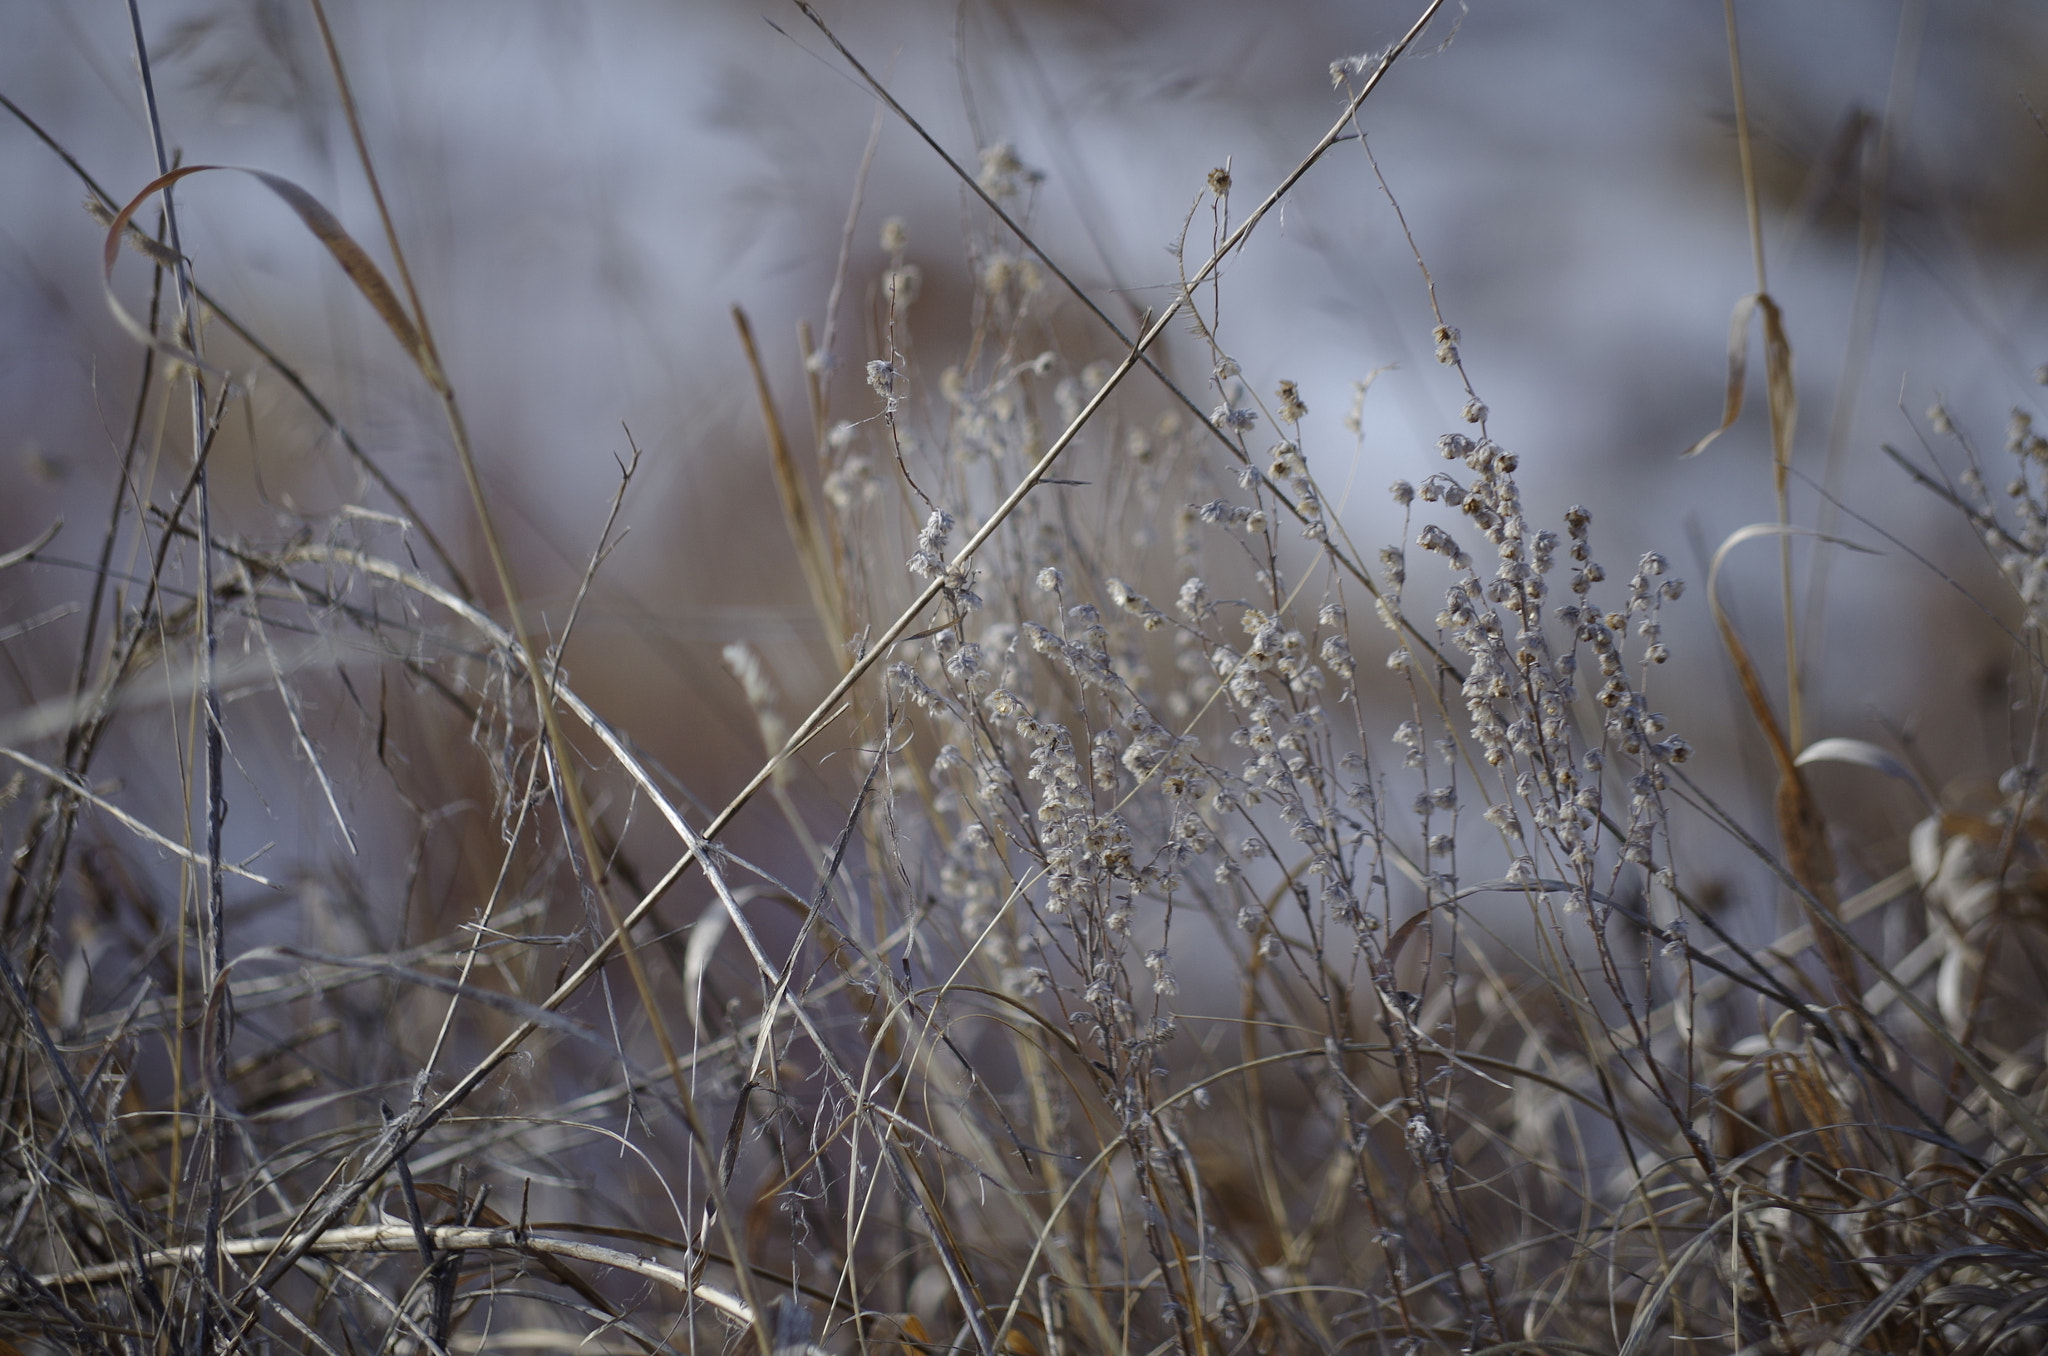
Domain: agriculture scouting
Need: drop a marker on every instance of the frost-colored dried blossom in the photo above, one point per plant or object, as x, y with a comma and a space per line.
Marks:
997, 271
1292, 410
1424, 1142
1157, 960
929, 558
1043, 640
1003, 175
1336, 653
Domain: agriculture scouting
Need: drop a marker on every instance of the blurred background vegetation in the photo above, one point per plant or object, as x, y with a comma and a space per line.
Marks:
584, 193
586, 189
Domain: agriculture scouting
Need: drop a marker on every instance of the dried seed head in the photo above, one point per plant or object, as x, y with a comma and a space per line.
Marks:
1003, 174
852, 484
884, 378
1291, 408
930, 556
744, 663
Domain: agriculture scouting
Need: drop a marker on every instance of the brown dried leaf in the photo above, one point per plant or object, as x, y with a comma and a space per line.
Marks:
915, 1340
1779, 392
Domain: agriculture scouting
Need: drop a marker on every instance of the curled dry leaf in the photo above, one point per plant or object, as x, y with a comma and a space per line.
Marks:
1778, 385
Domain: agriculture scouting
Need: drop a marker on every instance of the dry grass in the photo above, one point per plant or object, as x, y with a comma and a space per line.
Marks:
1188, 930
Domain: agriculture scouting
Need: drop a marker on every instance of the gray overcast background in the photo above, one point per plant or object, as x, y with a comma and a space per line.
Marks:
586, 188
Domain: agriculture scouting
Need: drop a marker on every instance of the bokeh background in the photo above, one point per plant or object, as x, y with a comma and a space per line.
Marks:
584, 190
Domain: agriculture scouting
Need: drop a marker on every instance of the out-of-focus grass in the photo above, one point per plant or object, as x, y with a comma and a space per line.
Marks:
1181, 927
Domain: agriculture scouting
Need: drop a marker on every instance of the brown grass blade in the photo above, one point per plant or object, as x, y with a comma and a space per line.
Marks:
362, 271
1801, 827
796, 504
